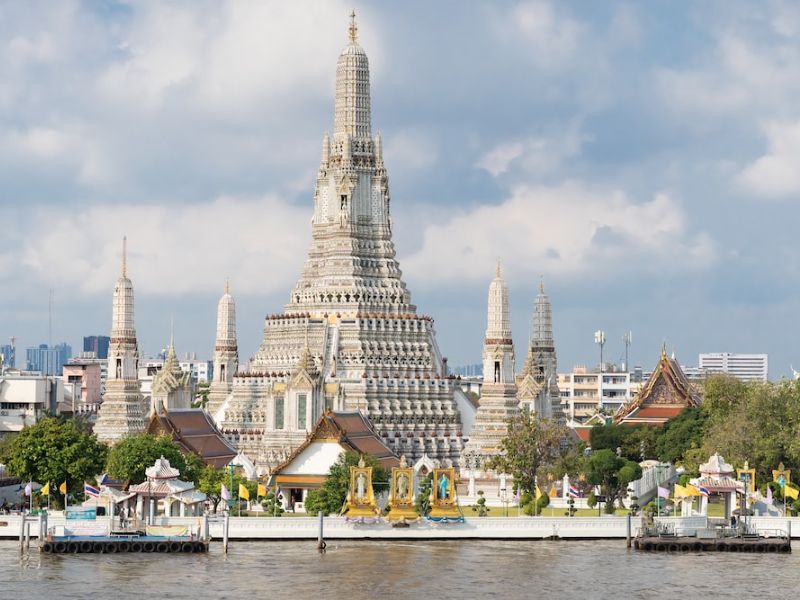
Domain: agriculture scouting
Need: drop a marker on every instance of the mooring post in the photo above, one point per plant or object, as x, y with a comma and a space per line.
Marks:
628, 531
789, 529
22, 534
206, 536
320, 536
41, 524
225, 529
27, 534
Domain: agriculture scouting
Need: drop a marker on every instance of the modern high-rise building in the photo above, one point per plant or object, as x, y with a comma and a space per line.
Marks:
97, 344
48, 360
747, 367
9, 353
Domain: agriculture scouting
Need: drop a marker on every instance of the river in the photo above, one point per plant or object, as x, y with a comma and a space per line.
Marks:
399, 570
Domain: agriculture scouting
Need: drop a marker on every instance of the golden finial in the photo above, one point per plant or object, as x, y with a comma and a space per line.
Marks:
664, 349
124, 256
353, 29
498, 272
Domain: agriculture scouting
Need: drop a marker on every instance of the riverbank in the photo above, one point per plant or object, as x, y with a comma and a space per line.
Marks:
341, 528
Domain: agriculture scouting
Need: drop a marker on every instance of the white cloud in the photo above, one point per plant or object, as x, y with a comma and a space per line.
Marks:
552, 38
258, 243
566, 230
535, 155
410, 150
777, 173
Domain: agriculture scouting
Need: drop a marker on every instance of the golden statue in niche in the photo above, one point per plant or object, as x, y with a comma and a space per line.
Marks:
401, 497
360, 497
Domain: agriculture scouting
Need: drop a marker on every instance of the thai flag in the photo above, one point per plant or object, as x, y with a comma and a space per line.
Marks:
573, 492
703, 490
90, 490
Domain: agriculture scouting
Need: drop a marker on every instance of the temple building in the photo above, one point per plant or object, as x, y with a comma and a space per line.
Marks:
335, 433
173, 388
537, 383
120, 413
164, 494
349, 338
226, 353
498, 401
665, 395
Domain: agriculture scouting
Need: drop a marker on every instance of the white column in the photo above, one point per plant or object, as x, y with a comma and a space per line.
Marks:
183, 509
471, 488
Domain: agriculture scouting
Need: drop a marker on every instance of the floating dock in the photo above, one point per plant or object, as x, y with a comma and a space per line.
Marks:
691, 544
117, 544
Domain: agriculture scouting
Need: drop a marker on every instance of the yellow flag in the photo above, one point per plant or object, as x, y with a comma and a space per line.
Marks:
262, 490
680, 492
45, 489
63, 488
553, 493
791, 492
538, 492
243, 493
692, 490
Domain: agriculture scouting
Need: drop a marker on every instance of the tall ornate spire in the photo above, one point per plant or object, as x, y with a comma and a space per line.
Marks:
542, 320
125, 256
226, 352
120, 413
353, 29
352, 116
540, 366
498, 325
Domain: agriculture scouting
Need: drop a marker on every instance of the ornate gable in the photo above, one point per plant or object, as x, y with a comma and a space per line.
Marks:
665, 395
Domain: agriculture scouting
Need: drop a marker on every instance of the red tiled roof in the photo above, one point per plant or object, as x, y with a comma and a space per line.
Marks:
193, 431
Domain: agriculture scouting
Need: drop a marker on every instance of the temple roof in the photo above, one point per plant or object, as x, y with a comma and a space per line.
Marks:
351, 430
716, 465
193, 430
665, 395
161, 469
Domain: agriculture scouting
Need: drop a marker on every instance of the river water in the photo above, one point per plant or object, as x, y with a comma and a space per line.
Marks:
400, 570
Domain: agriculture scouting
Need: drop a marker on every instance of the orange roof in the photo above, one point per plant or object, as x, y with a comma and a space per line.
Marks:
665, 395
193, 431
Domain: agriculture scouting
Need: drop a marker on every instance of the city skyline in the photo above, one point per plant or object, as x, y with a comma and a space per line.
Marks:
643, 210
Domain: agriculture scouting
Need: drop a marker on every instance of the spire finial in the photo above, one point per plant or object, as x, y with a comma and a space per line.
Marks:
124, 256
541, 284
227, 285
498, 272
664, 349
172, 333
353, 29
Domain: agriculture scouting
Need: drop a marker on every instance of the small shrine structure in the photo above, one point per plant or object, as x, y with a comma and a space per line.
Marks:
401, 496
716, 476
360, 500
163, 494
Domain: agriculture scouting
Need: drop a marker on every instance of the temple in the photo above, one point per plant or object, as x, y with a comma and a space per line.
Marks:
173, 388
226, 352
120, 413
537, 383
193, 431
498, 400
349, 339
309, 464
665, 395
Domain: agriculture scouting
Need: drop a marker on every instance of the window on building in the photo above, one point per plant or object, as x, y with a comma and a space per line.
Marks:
278, 413
119, 368
497, 371
301, 410
222, 372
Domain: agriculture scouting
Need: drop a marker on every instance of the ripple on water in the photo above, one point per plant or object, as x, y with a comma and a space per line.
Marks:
397, 570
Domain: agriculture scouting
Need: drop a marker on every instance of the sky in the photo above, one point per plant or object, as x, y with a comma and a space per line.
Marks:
639, 157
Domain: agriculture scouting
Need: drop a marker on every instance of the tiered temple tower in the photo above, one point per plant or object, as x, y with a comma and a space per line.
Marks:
349, 338
226, 353
120, 413
498, 401
538, 381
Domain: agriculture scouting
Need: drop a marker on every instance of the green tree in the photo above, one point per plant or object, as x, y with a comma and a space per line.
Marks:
531, 445
55, 450
330, 497
681, 434
612, 473
129, 458
209, 481
272, 504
